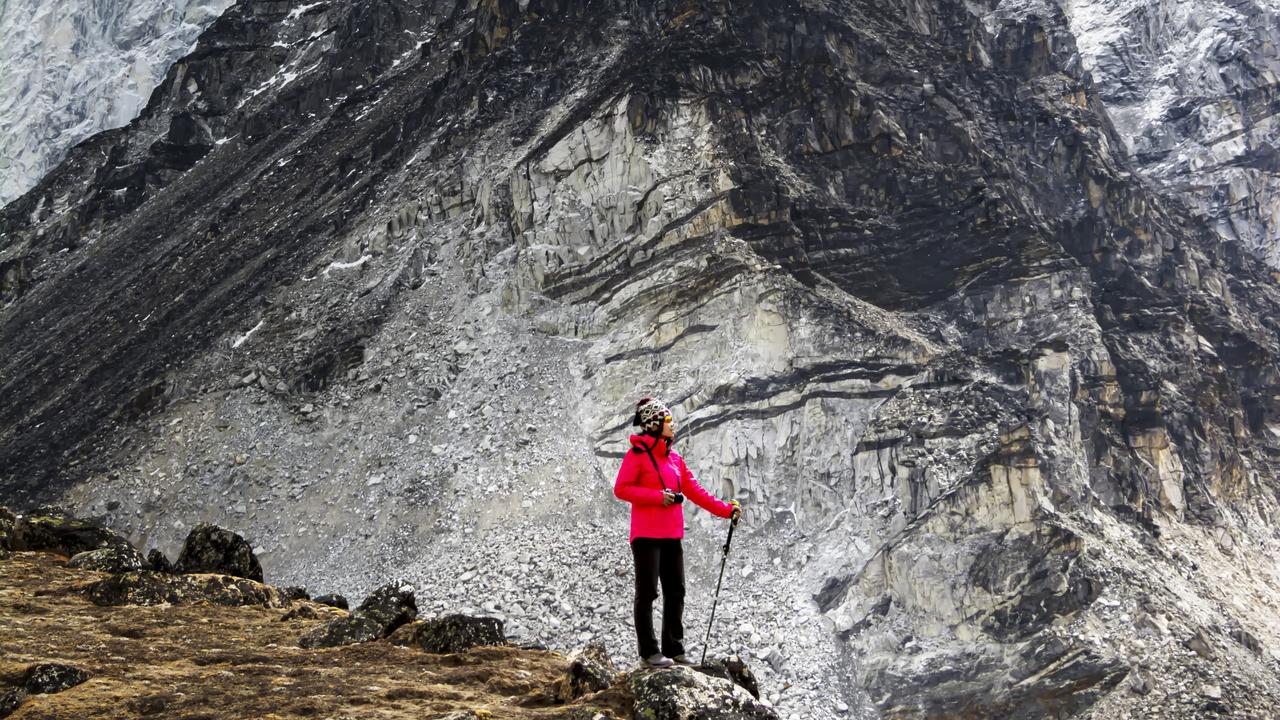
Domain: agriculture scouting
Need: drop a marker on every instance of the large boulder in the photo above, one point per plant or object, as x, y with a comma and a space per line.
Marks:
47, 678
389, 607
52, 530
455, 633
682, 693
151, 588
109, 559
211, 549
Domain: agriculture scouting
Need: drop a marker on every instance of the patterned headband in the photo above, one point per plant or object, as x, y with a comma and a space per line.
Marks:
650, 413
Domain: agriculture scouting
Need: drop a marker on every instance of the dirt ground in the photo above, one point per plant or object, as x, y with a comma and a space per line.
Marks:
218, 663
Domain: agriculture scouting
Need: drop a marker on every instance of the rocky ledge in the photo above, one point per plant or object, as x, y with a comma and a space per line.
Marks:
141, 643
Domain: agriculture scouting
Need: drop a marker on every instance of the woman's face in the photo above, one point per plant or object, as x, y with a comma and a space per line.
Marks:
668, 427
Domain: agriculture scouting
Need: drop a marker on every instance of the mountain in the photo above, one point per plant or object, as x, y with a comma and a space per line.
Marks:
1192, 88
378, 284
72, 69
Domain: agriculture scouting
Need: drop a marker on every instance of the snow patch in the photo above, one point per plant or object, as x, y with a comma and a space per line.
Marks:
297, 12
240, 340
347, 265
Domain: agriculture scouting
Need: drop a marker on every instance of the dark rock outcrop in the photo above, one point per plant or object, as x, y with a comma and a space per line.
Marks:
735, 671
679, 693
55, 531
11, 699
386, 609
456, 633
342, 631
211, 549
391, 606
152, 588
112, 560
332, 600
590, 670
157, 562
7, 523
48, 678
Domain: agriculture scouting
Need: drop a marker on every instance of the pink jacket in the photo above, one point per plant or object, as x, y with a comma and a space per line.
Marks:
639, 485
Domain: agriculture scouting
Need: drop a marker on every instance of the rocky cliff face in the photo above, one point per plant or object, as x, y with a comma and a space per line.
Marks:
1192, 88
379, 282
72, 69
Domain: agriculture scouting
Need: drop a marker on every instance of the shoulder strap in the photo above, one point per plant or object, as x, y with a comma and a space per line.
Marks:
649, 451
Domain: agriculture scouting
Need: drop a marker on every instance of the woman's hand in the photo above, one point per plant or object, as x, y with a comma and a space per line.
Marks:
668, 498
737, 510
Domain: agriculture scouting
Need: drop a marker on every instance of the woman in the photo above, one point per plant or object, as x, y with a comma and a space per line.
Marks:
655, 480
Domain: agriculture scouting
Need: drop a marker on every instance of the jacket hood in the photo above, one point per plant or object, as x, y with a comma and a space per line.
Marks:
647, 442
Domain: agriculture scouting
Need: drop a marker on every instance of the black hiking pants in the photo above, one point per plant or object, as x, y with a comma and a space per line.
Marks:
659, 560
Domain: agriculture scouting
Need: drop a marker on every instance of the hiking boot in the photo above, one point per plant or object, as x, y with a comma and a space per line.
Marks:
658, 660
684, 659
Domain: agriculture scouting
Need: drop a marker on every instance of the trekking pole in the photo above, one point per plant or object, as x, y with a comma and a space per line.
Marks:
723, 559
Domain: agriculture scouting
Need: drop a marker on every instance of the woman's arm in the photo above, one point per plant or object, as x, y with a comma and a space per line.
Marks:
627, 487
695, 492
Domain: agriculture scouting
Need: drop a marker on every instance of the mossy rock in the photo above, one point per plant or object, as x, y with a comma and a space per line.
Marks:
47, 678
211, 549
152, 588
63, 534
391, 605
679, 693
342, 631
590, 670
455, 633
111, 559
387, 608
